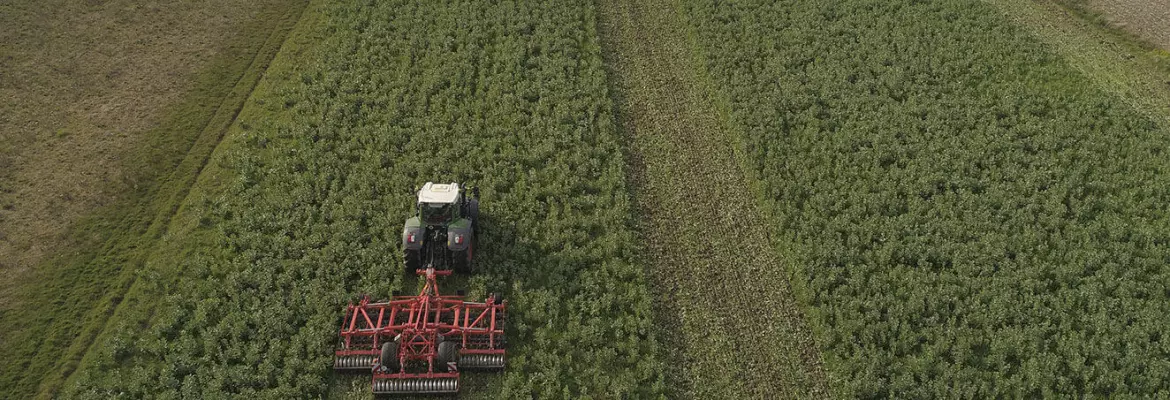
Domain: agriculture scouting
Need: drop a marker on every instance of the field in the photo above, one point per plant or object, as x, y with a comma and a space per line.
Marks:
301, 207
966, 214
108, 111
680, 198
1144, 18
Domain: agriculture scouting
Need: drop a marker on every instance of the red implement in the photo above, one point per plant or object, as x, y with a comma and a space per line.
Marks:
418, 344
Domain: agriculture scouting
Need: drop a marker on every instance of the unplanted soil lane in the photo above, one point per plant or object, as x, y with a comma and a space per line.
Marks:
728, 323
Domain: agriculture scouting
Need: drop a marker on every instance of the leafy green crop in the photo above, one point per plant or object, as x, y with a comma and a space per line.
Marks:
968, 216
303, 205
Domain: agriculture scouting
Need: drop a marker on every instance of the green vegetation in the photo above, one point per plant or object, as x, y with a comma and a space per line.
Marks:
67, 301
967, 215
301, 206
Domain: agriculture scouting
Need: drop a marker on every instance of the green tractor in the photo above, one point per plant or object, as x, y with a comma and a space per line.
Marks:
442, 232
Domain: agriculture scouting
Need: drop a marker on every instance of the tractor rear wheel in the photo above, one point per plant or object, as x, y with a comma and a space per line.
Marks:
413, 260
473, 213
461, 260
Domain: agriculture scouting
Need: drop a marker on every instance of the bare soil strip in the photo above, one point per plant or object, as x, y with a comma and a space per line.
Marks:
88, 251
728, 322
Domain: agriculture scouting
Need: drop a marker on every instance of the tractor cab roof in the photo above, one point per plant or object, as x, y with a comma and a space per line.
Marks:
439, 193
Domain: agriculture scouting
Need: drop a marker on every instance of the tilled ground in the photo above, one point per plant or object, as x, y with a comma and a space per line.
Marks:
729, 326
1149, 19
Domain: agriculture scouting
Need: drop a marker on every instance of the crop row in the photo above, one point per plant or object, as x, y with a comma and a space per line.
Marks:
968, 216
302, 206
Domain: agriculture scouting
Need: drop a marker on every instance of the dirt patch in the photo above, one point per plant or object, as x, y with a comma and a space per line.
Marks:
1148, 19
80, 84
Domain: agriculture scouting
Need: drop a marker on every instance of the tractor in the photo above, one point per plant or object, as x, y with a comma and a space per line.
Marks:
420, 344
442, 232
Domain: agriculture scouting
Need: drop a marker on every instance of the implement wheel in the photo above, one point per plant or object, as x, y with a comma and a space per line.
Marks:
389, 359
448, 352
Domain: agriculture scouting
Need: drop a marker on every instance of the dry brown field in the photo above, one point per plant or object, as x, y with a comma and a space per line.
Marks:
1148, 19
81, 82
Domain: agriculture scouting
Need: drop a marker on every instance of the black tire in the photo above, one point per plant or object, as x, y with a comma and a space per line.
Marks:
473, 214
389, 357
447, 352
462, 260
413, 261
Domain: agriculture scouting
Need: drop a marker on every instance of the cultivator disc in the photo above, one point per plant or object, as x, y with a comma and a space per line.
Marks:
481, 361
354, 362
427, 339
416, 386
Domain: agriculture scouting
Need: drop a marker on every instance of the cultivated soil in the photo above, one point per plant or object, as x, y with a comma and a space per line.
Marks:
1148, 19
727, 321
81, 82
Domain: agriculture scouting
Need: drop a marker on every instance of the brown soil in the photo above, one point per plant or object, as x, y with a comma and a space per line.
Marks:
1149, 19
80, 84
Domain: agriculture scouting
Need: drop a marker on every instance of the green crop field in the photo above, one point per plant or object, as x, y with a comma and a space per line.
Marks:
302, 205
968, 216
680, 198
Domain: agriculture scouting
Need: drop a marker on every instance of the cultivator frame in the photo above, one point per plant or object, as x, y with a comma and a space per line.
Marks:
433, 337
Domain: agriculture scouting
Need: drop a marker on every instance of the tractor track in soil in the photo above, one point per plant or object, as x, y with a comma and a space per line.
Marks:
197, 159
728, 322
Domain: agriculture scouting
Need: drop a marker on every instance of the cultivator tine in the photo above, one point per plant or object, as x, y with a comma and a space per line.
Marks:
416, 386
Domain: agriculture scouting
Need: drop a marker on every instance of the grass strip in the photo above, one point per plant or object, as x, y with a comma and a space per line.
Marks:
729, 324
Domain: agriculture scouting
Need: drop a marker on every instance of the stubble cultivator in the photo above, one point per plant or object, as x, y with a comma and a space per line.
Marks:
420, 344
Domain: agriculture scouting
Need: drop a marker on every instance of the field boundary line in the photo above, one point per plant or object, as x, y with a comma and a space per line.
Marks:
1106, 59
81, 346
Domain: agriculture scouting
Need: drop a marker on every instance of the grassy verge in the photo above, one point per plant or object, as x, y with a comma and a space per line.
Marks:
968, 216
729, 324
301, 206
66, 303
1134, 43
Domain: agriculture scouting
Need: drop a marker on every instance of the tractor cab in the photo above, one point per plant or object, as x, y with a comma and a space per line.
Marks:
442, 232
438, 203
